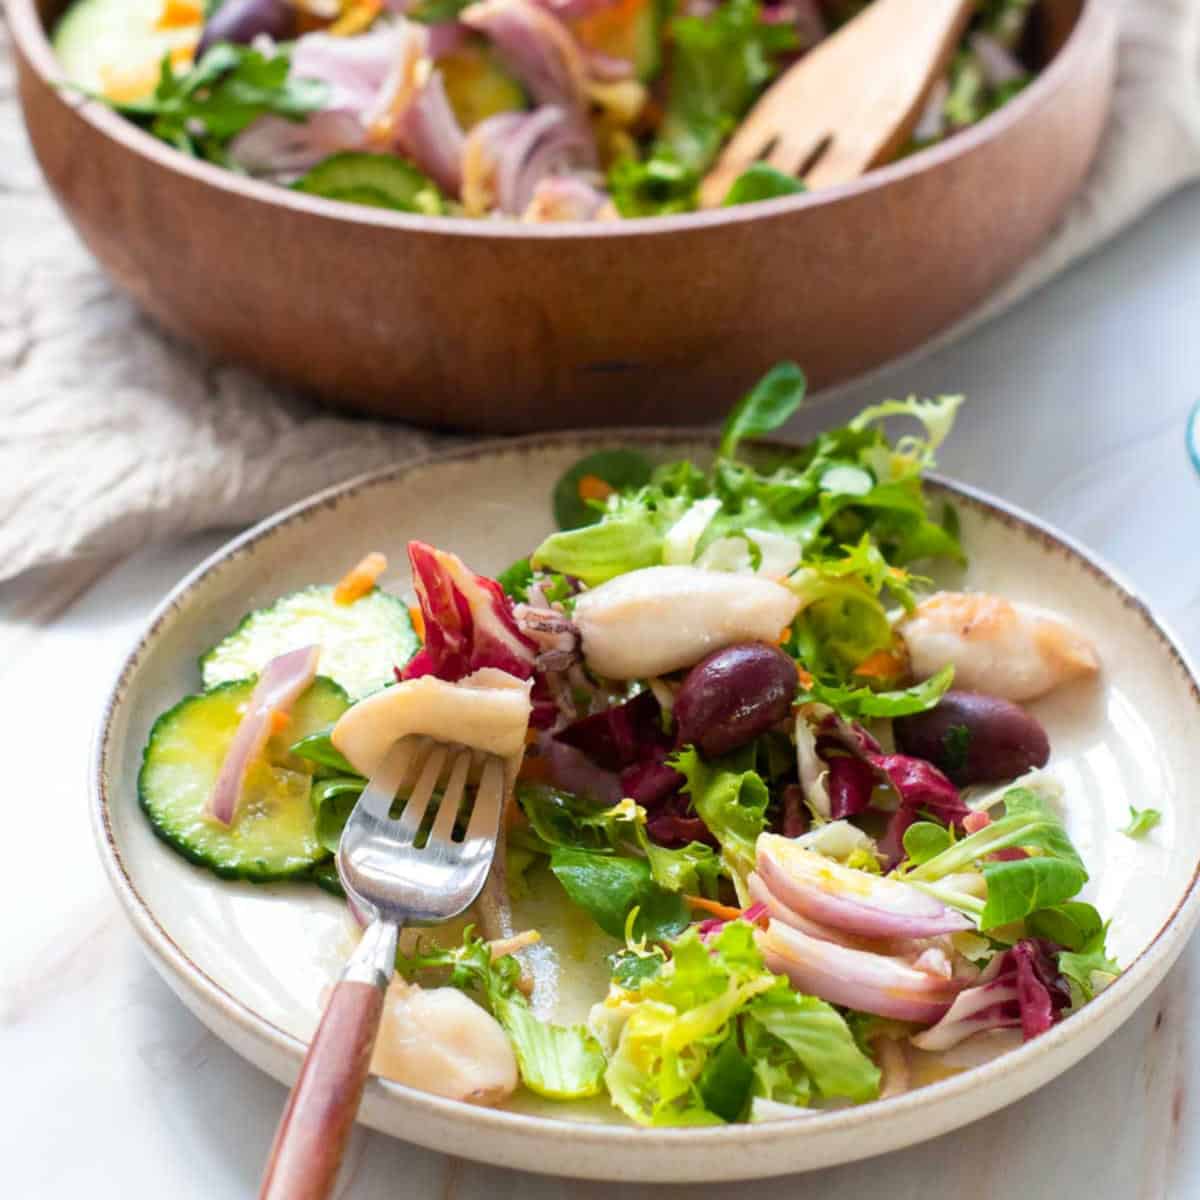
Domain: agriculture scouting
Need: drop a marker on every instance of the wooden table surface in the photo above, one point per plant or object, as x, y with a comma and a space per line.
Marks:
110, 1088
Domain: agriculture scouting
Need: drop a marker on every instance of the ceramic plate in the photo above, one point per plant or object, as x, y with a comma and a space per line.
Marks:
252, 961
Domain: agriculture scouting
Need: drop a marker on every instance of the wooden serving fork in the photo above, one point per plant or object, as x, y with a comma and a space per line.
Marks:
852, 102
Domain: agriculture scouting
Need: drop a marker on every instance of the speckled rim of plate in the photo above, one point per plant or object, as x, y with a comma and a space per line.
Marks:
1115, 1005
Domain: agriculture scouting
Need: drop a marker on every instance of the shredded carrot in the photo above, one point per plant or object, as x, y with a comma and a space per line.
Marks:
784, 634
182, 56
279, 721
725, 912
179, 14
418, 620
806, 679
714, 908
883, 664
356, 17
360, 579
592, 487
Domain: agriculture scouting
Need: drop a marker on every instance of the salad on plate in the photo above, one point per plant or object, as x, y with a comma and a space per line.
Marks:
540, 110
775, 799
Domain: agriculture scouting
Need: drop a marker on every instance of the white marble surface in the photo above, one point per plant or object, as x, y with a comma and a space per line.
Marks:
111, 1089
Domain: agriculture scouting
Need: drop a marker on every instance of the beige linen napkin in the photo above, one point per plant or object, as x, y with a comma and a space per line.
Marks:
113, 434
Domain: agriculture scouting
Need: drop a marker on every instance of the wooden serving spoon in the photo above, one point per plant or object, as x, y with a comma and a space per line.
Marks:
852, 102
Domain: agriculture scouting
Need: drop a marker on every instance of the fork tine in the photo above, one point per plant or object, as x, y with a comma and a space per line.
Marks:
452, 796
382, 787
418, 801
485, 817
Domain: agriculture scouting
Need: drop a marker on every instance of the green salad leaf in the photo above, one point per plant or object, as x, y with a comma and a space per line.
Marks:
1088, 968
861, 703
761, 181
1141, 821
561, 1062
201, 109
1072, 925
719, 64
610, 886
731, 798
1052, 873
769, 404
620, 470
693, 1042
327, 759
597, 553
333, 801
851, 502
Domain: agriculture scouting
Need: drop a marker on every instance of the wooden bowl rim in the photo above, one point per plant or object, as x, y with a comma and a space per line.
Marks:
32, 42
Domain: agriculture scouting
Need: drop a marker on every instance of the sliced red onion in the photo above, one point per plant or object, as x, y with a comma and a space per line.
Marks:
356, 72
429, 133
445, 38
999, 65
536, 46
354, 69
572, 10
281, 150
872, 983
607, 68
853, 901
280, 683
932, 122
549, 141
564, 198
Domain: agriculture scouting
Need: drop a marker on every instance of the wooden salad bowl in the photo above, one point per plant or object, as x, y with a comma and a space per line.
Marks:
501, 326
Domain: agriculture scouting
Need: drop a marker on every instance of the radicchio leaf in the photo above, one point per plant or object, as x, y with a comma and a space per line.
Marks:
468, 620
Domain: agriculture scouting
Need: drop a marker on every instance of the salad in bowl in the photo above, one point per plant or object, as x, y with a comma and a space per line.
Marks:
775, 798
539, 110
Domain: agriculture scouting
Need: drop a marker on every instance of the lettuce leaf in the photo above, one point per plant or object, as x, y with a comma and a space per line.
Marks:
1050, 875
719, 63
611, 886
561, 1062
1141, 821
703, 1035
731, 798
768, 405
861, 703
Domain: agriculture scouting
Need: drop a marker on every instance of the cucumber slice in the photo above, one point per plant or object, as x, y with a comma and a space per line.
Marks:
360, 642
373, 179
274, 833
99, 42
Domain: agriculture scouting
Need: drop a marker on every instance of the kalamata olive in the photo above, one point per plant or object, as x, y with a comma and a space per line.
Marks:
733, 695
241, 21
974, 738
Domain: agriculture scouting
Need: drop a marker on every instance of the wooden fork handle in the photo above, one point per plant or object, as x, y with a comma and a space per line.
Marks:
320, 1113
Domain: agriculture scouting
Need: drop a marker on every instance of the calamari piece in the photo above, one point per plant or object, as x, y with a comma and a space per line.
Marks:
487, 711
659, 619
1004, 649
855, 902
874, 983
441, 1041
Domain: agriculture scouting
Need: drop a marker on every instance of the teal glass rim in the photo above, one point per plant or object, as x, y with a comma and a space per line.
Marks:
1193, 436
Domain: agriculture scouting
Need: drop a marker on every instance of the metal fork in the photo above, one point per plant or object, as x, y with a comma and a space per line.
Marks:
391, 882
